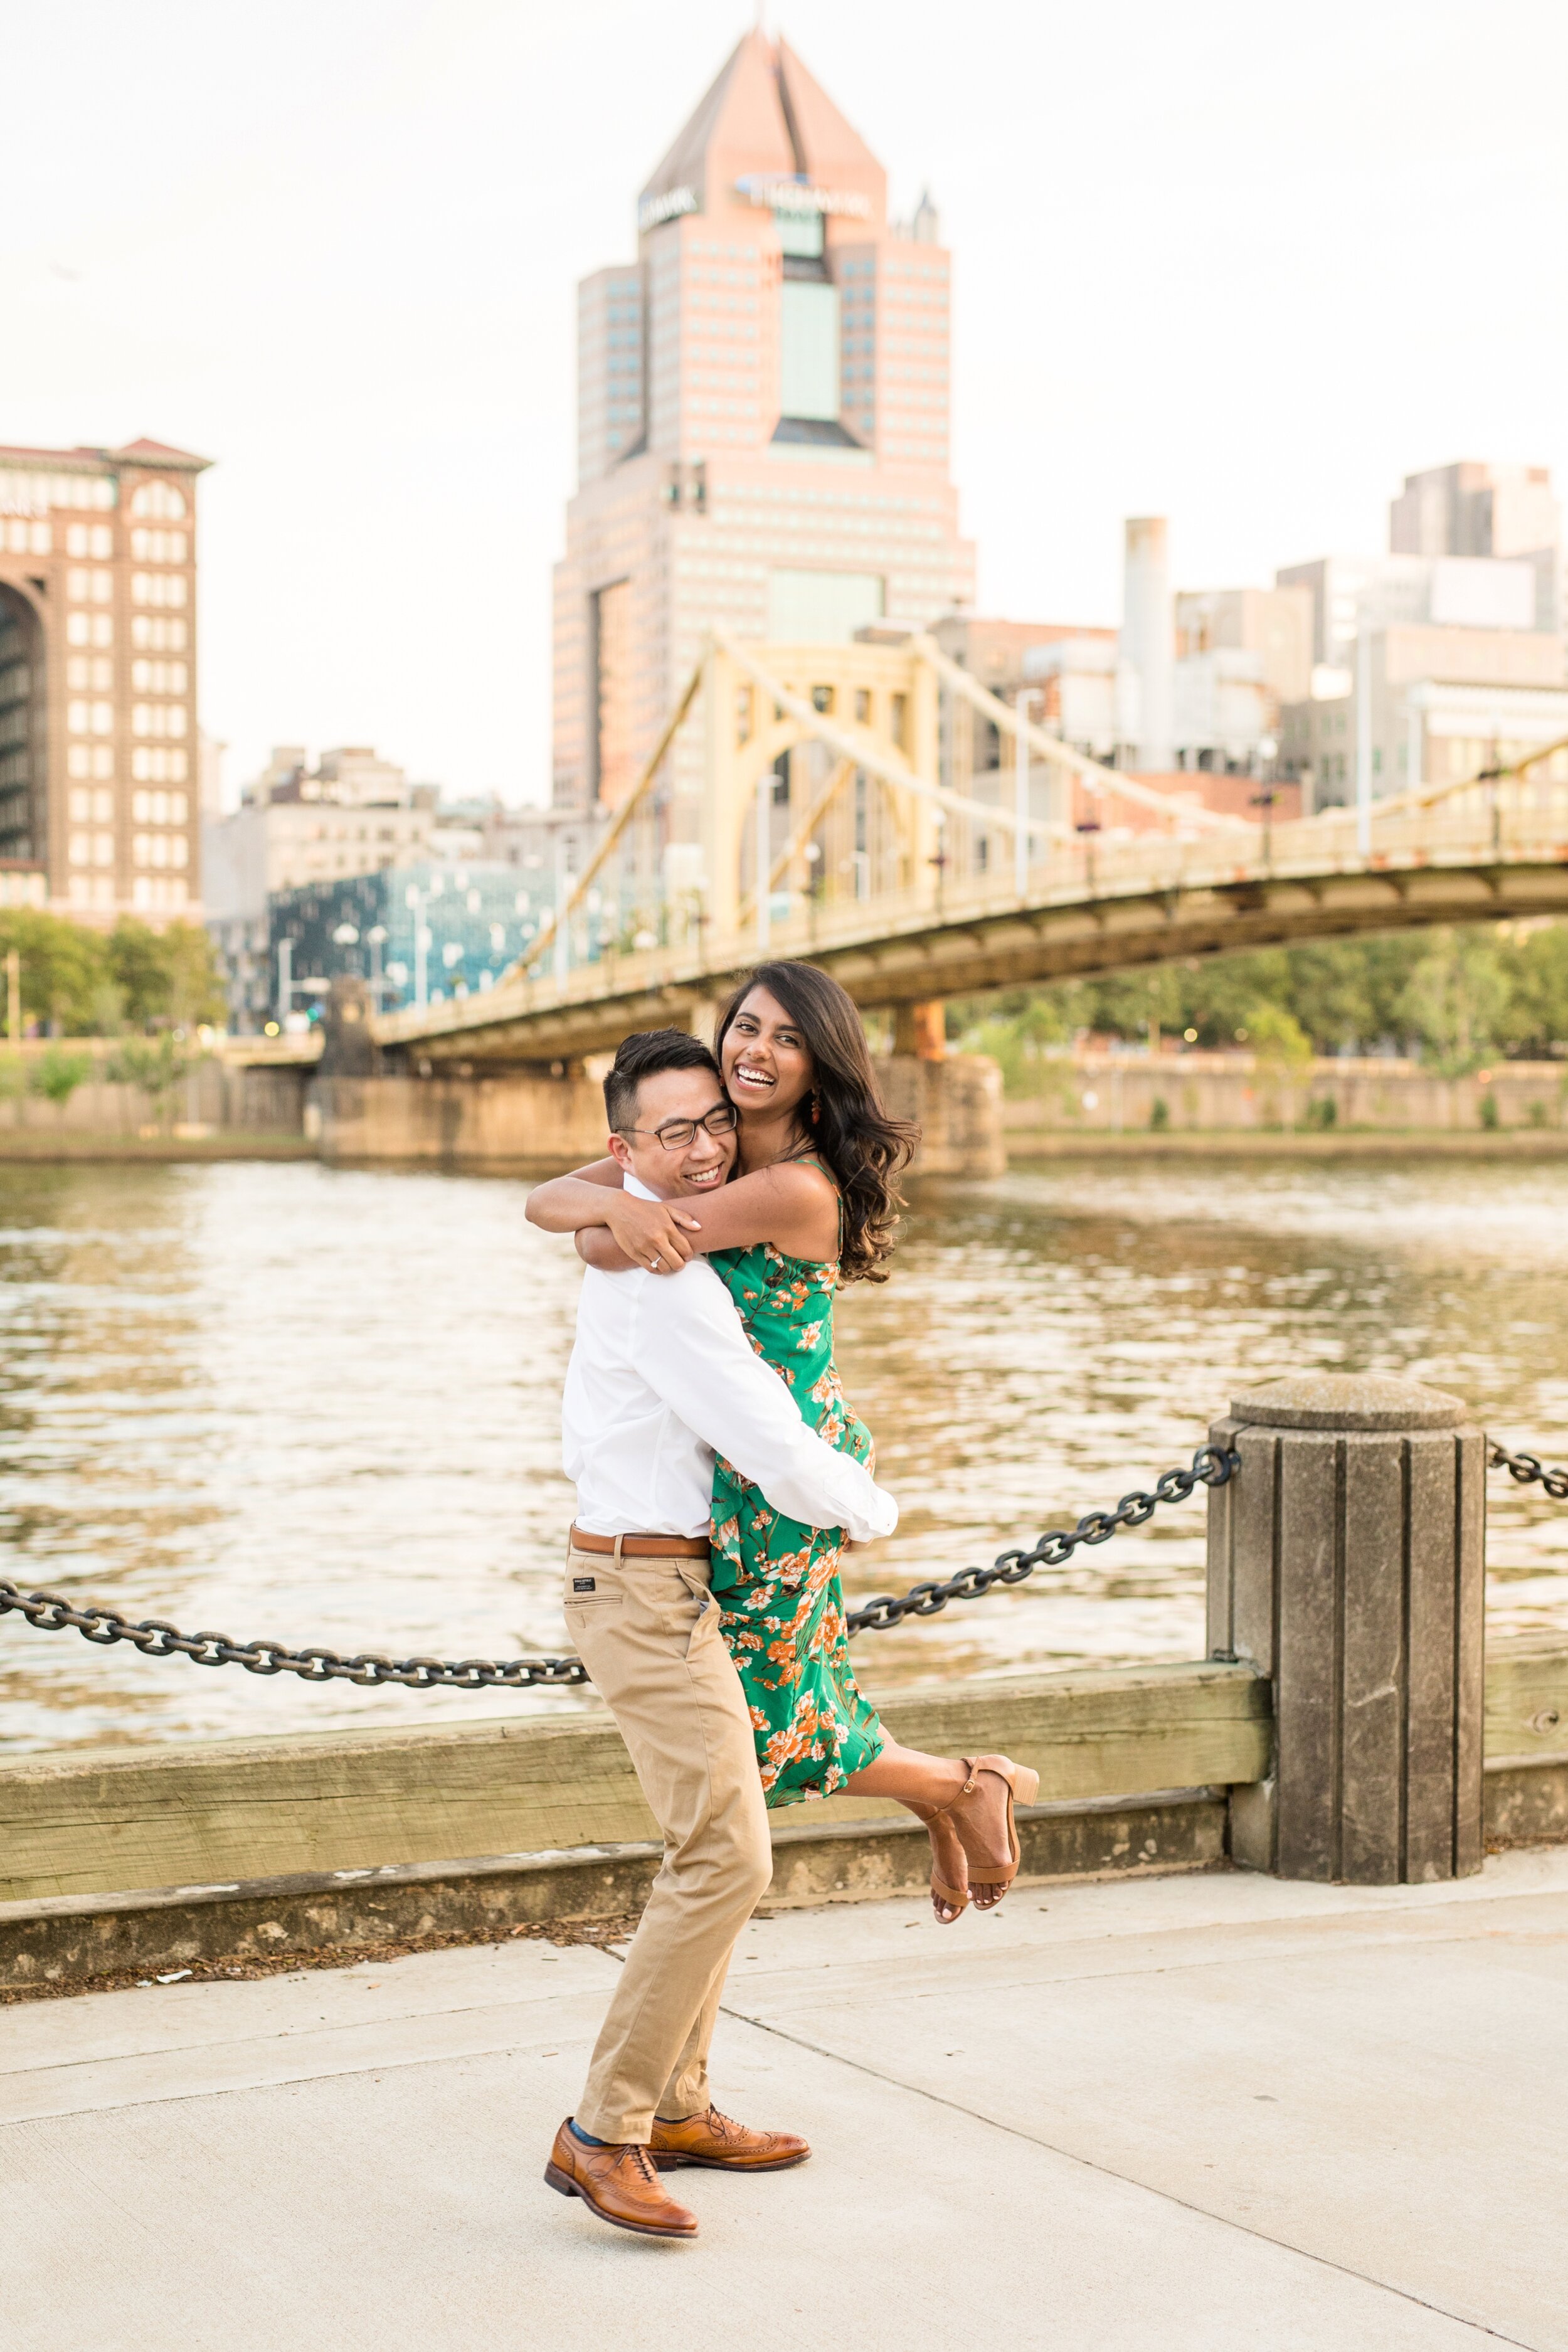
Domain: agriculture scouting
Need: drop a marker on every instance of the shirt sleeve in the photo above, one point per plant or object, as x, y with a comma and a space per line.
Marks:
692, 1352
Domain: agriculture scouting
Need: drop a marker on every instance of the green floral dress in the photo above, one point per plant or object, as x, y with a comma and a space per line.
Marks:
776, 1582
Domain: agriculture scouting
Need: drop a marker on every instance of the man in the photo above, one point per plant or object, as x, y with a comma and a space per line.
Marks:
662, 1377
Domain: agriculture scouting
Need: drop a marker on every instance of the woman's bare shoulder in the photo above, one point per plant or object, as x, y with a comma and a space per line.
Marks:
793, 1206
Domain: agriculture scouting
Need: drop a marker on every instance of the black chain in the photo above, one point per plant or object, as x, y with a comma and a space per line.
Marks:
51, 1612
1528, 1472
1213, 1465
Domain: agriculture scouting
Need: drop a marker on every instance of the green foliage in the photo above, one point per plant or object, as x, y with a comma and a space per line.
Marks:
1490, 1112
156, 1065
87, 982
1455, 999
1159, 1114
1322, 1112
1536, 1018
63, 967
56, 1075
164, 978
1279, 1040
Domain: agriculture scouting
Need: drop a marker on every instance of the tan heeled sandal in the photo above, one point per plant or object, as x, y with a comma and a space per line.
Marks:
1023, 1787
949, 1903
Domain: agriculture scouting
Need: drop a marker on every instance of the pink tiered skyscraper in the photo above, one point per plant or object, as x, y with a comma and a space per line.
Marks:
763, 424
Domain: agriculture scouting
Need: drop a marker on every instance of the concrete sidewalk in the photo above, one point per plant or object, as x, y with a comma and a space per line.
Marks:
1205, 2112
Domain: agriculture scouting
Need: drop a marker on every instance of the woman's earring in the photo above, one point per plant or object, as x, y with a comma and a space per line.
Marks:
815, 1108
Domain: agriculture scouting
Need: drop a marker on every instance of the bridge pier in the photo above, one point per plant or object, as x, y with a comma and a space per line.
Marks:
921, 1030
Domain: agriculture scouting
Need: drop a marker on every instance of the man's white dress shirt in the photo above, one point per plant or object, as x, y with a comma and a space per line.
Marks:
662, 1377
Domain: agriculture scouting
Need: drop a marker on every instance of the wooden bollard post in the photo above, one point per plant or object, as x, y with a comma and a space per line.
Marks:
1347, 1561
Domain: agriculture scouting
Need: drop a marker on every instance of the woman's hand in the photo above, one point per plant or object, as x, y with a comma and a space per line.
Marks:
651, 1232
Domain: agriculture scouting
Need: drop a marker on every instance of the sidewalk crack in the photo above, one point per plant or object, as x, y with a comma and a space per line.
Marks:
1131, 2180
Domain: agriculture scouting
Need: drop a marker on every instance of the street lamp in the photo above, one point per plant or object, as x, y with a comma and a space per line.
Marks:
940, 861
376, 937
1265, 800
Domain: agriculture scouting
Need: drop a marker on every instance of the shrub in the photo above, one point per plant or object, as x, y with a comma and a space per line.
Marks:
56, 1075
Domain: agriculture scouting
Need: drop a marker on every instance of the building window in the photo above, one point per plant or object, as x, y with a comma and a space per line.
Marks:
80, 849
95, 539
158, 501
154, 633
158, 546
158, 718
164, 588
159, 677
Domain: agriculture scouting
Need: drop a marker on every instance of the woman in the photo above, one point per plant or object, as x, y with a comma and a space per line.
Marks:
812, 1205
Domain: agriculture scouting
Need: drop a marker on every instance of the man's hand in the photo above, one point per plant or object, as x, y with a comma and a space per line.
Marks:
651, 1232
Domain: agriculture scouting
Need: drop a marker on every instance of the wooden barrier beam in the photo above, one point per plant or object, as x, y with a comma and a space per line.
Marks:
110, 1822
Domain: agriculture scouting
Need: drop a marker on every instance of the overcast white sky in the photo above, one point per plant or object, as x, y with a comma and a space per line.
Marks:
1240, 262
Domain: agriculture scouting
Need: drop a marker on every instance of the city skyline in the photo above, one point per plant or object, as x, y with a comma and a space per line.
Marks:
1247, 281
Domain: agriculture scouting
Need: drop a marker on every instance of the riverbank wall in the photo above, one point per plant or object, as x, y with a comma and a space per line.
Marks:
1326, 1105
165, 1857
224, 1106
1081, 1105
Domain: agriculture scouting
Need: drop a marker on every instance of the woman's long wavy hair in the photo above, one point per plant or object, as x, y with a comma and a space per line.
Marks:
865, 1149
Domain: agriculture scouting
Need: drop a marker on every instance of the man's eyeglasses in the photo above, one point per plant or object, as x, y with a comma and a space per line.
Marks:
677, 1133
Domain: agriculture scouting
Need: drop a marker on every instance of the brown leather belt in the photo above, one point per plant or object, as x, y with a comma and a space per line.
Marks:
645, 1546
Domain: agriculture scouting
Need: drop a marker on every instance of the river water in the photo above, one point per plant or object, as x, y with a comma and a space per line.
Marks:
322, 1405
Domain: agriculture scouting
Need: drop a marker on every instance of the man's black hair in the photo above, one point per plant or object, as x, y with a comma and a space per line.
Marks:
643, 1055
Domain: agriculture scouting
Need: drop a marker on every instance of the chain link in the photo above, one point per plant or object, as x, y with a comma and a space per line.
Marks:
1527, 1470
1213, 1465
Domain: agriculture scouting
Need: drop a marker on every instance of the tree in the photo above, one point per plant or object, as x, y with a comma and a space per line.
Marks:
56, 1075
1456, 1000
166, 979
1535, 1025
156, 1065
64, 967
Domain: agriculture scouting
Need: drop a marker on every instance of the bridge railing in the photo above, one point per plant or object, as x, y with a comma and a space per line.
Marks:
1477, 829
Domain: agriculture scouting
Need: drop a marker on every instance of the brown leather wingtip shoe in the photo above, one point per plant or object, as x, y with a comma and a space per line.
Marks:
619, 2183
721, 2145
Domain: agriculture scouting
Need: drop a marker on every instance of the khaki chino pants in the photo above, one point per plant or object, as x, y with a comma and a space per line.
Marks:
647, 1630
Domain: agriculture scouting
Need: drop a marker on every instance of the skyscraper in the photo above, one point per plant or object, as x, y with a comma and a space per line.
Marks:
97, 732
763, 424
